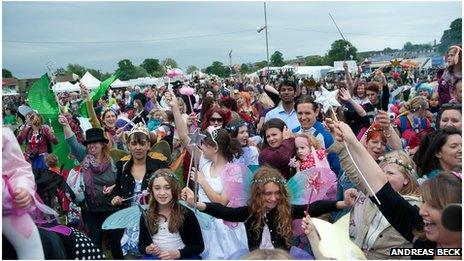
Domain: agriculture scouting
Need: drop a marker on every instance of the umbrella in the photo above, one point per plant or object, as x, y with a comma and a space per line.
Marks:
128, 217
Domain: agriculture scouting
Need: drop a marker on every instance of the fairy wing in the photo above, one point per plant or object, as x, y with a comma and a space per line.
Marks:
236, 180
204, 219
128, 217
162, 151
117, 154
311, 185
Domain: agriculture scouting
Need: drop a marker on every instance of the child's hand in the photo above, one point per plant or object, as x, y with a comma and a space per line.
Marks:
153, 249
22, 198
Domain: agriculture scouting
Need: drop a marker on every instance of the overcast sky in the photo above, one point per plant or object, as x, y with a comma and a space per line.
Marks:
99, 34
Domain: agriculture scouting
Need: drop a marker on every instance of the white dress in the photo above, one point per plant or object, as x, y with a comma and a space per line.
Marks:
221, 241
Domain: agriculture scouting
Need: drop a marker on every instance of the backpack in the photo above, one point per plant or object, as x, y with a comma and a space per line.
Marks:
75, 181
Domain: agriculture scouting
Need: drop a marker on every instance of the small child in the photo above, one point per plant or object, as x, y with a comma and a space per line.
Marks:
156, 118
308, 150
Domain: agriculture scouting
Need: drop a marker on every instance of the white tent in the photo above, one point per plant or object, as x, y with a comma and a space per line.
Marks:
66, 87
316, 72
90, 81
119, 84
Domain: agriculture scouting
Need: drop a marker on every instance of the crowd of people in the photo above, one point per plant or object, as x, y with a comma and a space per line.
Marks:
240, 167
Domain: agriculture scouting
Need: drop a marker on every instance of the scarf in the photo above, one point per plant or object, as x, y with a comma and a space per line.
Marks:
89, 168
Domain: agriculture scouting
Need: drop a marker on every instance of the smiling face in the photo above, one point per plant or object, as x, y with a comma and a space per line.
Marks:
274, 137
306, 114
109, 118
243, 135
162, 191
272, 195
375, 147
396, 178
450, 155
287, 94
361, 91
451, 118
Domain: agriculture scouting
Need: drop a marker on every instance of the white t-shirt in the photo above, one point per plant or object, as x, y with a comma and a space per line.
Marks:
166, 240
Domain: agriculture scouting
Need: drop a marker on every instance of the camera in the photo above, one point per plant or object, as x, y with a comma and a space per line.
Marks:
391, 116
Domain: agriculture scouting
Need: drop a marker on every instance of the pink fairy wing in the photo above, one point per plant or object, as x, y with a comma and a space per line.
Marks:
301, 184
236, 180
189, 91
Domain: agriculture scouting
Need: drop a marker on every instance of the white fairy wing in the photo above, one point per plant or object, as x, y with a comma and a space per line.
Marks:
128, 217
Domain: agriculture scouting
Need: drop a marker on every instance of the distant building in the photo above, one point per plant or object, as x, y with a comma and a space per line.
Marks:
10, 86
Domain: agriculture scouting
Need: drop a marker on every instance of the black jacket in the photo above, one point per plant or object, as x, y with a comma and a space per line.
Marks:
190, 234
403, 216
243, 214
125, 182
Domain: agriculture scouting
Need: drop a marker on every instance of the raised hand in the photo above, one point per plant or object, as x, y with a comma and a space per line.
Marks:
63, 120
344, 94
383, 119
340, 131
286, 134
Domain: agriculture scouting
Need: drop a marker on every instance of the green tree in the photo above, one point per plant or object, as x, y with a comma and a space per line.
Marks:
244, 68
140, 72
151, 65
451, 36
61, 71
6, 74
388, 50
76, 68
314, 60
169, 62
341, 50
260, 65
192, 69
127, 70
408, 47
218, 69
277, 59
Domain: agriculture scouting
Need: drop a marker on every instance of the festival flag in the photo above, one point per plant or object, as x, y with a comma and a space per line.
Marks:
42, 99
96, 94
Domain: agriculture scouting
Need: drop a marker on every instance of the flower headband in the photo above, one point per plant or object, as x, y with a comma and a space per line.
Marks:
267, 179
399, 162
163, 174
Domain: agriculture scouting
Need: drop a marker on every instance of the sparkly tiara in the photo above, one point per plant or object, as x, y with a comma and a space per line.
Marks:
267, 179
213, 131
139, 127
399, 162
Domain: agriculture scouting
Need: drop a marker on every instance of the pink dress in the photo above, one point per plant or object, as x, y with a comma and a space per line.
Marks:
16, 173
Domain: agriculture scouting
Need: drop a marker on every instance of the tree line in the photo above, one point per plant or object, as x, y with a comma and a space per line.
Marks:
339, 50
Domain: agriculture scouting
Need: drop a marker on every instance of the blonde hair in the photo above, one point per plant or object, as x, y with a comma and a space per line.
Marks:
265, 101
312, 141
407, 168
416, 103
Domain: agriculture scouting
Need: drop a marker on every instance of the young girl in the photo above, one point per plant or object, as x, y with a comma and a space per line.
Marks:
238, 129
19, 201
279, 146
308, 151
170, 231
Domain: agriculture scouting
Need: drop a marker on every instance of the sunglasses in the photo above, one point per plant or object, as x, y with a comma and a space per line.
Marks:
215, 119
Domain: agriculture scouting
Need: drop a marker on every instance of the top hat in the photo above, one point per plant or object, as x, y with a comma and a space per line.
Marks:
94, 135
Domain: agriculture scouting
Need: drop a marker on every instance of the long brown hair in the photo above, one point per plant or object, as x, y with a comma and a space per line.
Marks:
258, 207
176, 219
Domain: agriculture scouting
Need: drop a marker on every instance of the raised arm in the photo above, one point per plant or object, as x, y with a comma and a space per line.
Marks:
77, 149
345, 96
367, 165
181, 125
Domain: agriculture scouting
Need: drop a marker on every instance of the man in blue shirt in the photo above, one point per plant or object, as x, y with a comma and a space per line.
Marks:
285, 110
307, 112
